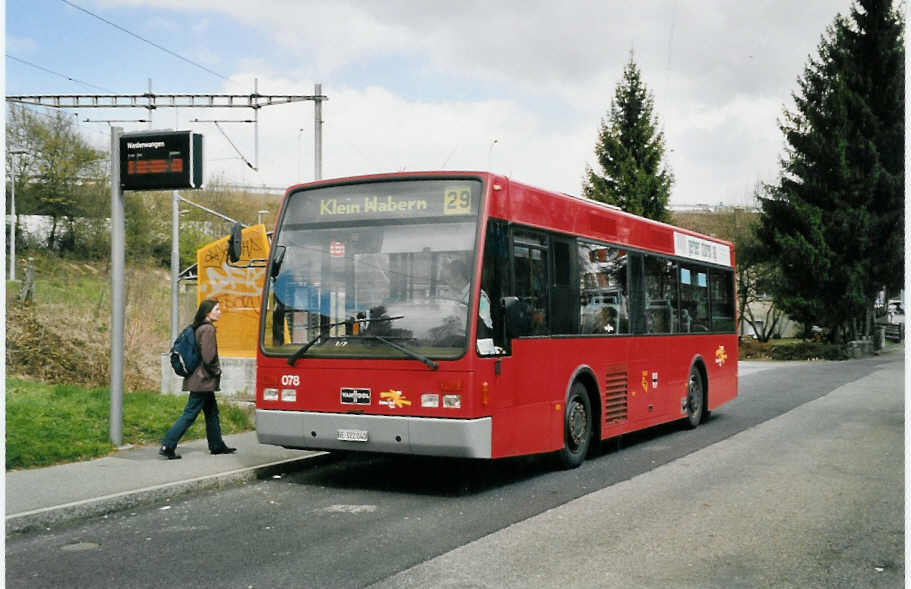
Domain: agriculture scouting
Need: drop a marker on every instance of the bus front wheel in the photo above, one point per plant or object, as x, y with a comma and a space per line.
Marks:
577, 427
695, 398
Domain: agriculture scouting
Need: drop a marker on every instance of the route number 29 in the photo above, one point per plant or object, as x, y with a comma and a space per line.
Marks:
457, 200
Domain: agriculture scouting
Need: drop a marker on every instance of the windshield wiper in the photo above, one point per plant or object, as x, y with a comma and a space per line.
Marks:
303, 349
407, 351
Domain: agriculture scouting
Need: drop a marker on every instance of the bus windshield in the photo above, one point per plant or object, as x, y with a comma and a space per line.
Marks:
377, 269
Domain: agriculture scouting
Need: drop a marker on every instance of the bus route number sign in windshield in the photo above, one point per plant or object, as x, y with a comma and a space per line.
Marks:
387, 200
457, 200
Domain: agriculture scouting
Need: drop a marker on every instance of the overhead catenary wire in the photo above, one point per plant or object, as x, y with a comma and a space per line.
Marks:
50, 71
144, 40
53, 117
153, 101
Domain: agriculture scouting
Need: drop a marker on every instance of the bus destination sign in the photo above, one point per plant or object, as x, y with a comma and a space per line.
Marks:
163, 160
388, 200
696, 248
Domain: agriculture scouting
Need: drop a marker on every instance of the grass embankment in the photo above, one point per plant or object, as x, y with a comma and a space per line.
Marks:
63, 334
49, 424
58, 363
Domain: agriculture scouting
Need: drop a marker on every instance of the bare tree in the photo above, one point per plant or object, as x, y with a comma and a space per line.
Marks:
59, 175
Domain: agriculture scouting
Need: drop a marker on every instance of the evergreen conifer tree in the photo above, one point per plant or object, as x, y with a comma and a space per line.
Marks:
832, 221
630, 151
877, 76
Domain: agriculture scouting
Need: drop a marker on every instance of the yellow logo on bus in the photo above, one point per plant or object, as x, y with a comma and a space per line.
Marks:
720, 356
393, 399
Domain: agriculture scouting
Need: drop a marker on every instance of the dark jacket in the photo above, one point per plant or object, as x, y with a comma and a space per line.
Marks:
207, 376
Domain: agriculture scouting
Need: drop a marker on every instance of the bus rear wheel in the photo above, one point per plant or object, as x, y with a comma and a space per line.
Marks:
577, 427
695, 399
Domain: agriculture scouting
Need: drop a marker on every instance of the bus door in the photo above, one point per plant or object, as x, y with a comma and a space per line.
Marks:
515, 277
493, 343
653, 285
604, 322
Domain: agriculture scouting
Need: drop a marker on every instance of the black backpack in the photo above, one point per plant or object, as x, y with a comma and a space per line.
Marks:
184, 352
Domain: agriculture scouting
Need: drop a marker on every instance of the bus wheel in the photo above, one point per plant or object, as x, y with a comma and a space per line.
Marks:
695, 399
577, 427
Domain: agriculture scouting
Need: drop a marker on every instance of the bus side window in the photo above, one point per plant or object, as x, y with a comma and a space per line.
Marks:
636, 293
564, 294
694, 299
722, 303
530, 266
660, 295
603, 287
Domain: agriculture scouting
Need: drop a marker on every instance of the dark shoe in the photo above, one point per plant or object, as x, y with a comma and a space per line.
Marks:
224, 450
168, 453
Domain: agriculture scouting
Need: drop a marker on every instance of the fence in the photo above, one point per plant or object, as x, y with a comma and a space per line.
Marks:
895, 332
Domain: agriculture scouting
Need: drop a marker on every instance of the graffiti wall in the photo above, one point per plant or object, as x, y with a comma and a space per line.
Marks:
236, 289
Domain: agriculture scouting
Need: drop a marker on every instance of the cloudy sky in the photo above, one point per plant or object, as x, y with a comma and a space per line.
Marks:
516, 87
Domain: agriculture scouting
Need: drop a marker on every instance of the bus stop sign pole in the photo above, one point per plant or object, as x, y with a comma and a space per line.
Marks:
153, 160
117, 290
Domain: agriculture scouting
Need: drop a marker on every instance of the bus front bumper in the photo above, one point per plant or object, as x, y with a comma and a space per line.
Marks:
464, 438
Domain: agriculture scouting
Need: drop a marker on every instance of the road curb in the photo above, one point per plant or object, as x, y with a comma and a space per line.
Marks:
59, 514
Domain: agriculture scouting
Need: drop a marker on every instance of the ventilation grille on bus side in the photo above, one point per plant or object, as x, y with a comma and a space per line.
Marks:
615, 398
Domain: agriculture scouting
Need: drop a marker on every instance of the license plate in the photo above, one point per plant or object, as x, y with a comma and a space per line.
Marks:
351, 435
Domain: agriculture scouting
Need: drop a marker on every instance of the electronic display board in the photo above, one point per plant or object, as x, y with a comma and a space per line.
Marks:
160, 160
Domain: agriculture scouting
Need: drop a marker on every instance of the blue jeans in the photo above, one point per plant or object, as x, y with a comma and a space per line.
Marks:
197, 402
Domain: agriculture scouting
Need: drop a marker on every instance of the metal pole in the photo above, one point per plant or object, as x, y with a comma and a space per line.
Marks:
12, 223
175, 260
318, 133
151, 100
13, 220
256, 127
117, 290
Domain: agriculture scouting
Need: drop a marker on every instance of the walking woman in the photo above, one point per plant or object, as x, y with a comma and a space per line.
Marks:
201, 384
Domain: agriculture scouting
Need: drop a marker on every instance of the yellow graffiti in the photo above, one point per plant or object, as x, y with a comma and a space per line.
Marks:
237, 290
394, 399
720, 356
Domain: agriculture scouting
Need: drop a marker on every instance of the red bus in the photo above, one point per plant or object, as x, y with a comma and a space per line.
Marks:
466, 314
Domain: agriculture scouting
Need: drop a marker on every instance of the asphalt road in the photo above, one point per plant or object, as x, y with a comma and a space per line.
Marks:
354, 521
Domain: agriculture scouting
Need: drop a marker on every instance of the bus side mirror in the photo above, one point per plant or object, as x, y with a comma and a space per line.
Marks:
517, 316
277, 261
235, 243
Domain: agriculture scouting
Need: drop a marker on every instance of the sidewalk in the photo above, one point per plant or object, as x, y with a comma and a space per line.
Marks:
137, 476
811, 498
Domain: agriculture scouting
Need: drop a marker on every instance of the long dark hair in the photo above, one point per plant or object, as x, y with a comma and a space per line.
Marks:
204, 309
